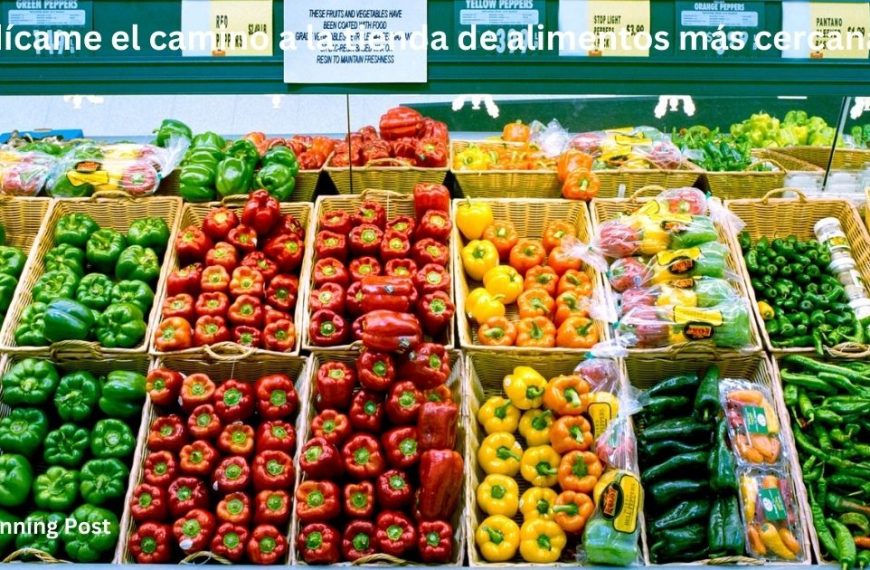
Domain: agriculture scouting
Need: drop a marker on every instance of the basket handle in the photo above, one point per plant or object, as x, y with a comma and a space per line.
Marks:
228, 351
234, 200
780, 191
703, 350
204, 556
391, 161
40, 555
91, 348
379, 557
378, 193
849, 350
730, 560
649, 190
111, 194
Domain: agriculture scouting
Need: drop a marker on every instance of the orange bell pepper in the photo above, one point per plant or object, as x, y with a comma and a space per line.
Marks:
516, 132
497, 331
572, 510
579, 471
535, 303
526, 254
536, 332
581, 184
567, 395
571, 433
503, 236
555, 231
577, 332
572, 160
570, 304
561, 260
574, 280
542, 277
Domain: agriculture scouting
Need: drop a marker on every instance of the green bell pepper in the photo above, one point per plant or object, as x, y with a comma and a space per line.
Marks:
112, 438
95, 291
137, 262
723, 477
103, 480
65, 188
2, 234
7, 539
23, 430
66, 446
8, 284
149, 232
171, 128
55, 285
104, 248
16, 478
32, 538
76, 396
75, 229
31, 326
196, 183
12, 260
66, 319
133, 291
123, 394
57, 489
234, 176
30, 382
278, 179
65, 257
245, 150
122, 325
208, 140
90, 547
205, 156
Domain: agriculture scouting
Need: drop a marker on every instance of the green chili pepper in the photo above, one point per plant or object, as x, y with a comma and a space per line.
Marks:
845, 543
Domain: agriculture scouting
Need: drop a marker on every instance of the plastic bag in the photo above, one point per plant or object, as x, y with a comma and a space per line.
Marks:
753, 426
725, 325
770, 520
551, 138
24, 173
703, 292
604, 379
707, 260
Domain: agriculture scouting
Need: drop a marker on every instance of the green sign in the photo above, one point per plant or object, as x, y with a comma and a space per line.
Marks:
755, 419
509, 20
52, 15
733, 20
772, 504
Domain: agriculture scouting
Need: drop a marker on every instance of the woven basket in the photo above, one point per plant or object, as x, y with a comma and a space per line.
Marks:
456, 385
219, 371
395, 204
620, 182
735, 185
530, 217
194, 214
23, 220
780, 217
117, 212
387, 173
843, 159
306, 184
608, 209
503, 183
645, 372
850, 159
98, 367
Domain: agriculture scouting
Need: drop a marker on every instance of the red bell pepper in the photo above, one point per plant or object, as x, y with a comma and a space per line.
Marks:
160, 468
282, 291
210, 330
395, 534
327, 329
150, 543
214, 278
267, 545
327, 297
244, 238
280, 336
229, 542
273, 470
437, 425
438, 394
400, 122
353, 299
363, 267
218, 223
318, 544
193, 531
435, 224
428, 196
180, 305
387, 293
197, 458
431, 153
276, 396
196, 389
148, 503
436, 311
427, 365
192, 244
358, 540
258, 260
234, 401
362, 457
375, 370
231, 475
330, 270
336, 221
401, 447
330, 244
370, 212
437, 130
234, 508
333, 386
365, 240
223, 254
184, 280
395, 245
435, 541
246, 310
404, 225
441, 480
390, 331
186, 493
163, 386
359, 500
367, 411
261, 212
431, 278
403, 403
237, 439
247, 281
401, 268
272, 507
278, 435
320, 459
204, 423
394, 491
166, 433
286, 250
289, 225
332, 426
317, 501
173, 334
247, 336
430, 251
213, 304
273, 315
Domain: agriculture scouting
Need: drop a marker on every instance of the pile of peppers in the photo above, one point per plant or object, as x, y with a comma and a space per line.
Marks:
218, 469
12, 260
68, 444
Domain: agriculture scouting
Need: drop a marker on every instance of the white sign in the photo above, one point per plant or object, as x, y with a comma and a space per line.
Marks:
237, 29
357, 41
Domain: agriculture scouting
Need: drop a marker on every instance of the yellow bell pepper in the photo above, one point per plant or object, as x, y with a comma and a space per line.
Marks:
541, 541
481, 306
500, 453
498, 414
498, 495
538, 503
504, 280
525, 387
766, 311
478, 257
535, 426
498, 538
540, 466
472, 217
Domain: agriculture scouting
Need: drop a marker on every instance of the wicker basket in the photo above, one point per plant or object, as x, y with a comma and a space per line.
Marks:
775, 217
735, 185
387, 173
530, 217
608, 209
621, 182
306, 184
194, 214
23, 220
502, 183
843, 158
117, 212
456, 385
219, 371
98, 367
644, 372
395, 204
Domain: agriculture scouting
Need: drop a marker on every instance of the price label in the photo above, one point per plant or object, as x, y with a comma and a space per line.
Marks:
238, 28
737, 19
505, 19
832, 30
772, 504
755, 419
617, 28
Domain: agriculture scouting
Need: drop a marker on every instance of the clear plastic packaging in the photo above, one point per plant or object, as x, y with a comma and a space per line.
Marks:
770, 515
725, 325
24, 173
706, 260
703, 292
753, 426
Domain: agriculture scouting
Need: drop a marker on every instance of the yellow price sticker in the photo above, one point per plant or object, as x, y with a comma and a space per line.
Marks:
242, 28
617, 25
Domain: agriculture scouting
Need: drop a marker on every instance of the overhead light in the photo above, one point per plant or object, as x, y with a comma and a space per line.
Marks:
671, 104
861, 104
476, 101
77, 100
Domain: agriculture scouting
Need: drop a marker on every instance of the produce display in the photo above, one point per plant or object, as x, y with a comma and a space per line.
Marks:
218, 469
25, 173
237, 279
67, 448
97, 284
381, 470
796, 128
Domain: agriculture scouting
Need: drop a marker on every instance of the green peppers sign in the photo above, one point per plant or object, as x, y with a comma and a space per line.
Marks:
48, 14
